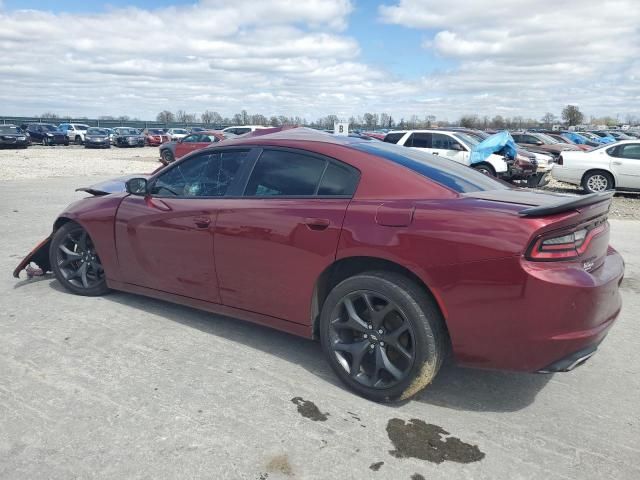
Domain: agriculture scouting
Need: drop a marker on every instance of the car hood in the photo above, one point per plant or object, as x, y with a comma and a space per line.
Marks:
115, 185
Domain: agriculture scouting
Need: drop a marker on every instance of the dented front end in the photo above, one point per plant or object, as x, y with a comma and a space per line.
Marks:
39, 256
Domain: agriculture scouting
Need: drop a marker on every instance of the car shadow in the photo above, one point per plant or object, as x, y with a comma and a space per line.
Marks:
454, 387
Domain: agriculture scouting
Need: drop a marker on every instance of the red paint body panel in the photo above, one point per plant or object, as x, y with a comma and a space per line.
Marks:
269, 253
260, 259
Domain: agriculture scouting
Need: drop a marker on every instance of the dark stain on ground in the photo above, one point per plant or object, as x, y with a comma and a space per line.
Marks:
376, 466
421, 440
309, 410
67, 338
417, 476
263, 476
354, 416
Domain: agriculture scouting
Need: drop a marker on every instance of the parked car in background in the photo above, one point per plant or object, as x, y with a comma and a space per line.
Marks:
46, 133
97, 137
111, 133
391, 257
539, 142
619, 135
525, 167
175, 150
241, 130
607, 167
579, 139
75, 132
127, 137
13, 137
560, 139
449, 144
155, 137
197, 129
605, 137
177, 133
594, 138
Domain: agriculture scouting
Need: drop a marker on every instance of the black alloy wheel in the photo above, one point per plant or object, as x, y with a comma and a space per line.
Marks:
372, 339
167, 156
383, 335
75, 262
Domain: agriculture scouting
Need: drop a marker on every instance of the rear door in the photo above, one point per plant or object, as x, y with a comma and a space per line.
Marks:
447, 146
625, 163
272, 244
165, 240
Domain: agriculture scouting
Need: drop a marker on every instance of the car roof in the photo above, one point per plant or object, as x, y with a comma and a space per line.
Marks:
425, 130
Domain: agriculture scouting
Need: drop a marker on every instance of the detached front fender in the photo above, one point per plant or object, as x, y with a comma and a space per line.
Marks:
40, 256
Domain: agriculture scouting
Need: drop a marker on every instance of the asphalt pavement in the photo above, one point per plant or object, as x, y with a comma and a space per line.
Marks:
124, 386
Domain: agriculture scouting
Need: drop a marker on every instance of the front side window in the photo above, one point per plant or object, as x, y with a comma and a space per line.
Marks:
443, 142
205, 175
192, 138
281, 173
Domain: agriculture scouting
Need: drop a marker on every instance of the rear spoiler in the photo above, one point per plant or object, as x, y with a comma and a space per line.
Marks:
564, 205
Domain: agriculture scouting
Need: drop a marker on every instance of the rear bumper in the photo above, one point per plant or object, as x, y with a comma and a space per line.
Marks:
543, 317
571, 361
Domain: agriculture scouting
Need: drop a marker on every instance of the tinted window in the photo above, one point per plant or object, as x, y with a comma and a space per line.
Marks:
8, 129
393, 137
338, 180
443, 142
419, 140
448, 173
192, 138
279, 173
630, 150
205, 175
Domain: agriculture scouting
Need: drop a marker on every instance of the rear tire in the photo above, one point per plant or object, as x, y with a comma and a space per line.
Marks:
392, 365
75, 263
597, 181
45, 141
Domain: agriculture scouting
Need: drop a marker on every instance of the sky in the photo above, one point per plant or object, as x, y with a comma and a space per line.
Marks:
313, 58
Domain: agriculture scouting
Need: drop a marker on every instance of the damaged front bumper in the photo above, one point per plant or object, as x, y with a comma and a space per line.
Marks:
39, 256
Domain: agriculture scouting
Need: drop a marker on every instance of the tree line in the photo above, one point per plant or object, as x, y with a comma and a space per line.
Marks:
569, 116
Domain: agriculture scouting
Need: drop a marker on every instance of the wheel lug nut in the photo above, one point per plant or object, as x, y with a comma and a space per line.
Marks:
380, 332
369, 326
366, 336
382, 344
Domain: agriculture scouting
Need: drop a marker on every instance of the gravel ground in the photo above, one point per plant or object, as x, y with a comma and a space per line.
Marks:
72, 161
44, 162
625, 205
127, 387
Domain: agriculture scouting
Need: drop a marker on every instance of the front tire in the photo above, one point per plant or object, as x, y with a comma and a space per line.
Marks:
75, 263
485, 168
383, 335
78, 140
167, 157
598, 181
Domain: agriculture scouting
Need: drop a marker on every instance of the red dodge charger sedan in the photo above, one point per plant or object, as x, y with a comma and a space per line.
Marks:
390, 256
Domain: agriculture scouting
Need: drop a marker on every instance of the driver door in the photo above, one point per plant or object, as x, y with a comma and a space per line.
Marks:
449, 147
165, 239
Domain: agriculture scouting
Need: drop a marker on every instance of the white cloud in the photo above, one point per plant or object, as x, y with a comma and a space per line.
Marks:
531, 56
272, 57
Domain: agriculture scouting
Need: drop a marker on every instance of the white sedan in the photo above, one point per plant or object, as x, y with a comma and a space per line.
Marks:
177, 133
611, 166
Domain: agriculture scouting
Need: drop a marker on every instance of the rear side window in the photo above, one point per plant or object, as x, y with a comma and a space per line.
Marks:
281, 173
338, 180
457, 177
419, 140
393, 137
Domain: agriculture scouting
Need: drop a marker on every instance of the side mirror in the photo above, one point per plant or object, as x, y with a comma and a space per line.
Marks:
136, 186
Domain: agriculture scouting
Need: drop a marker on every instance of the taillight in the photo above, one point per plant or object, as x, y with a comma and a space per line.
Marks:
566, 245
560, 160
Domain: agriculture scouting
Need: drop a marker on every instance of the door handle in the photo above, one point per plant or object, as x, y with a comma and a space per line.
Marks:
157, 203
202, 222
435, 153
617, 163
317, 223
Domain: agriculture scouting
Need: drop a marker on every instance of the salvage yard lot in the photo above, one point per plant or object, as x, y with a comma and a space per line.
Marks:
124, 386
